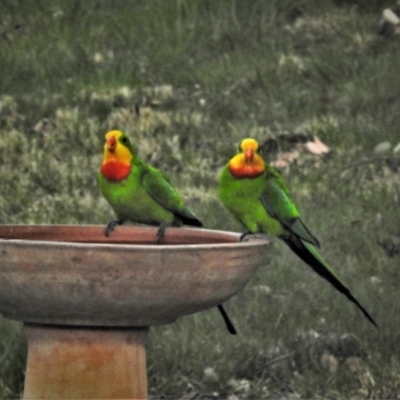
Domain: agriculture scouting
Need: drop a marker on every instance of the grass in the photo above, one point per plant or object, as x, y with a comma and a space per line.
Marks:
206, 74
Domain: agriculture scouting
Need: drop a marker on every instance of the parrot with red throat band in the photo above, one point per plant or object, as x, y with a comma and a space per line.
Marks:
137, 191
141, 193
256, 195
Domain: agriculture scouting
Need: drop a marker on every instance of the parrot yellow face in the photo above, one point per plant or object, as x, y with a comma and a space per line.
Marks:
117, 156
117, 147
247, 163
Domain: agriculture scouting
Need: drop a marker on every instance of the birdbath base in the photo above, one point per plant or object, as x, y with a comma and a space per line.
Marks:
85, 363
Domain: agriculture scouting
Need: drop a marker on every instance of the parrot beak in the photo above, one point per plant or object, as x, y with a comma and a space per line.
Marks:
248, 155
111, 143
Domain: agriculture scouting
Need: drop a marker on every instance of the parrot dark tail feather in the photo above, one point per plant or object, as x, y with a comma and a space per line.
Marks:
311, 257
228, 322
190, 221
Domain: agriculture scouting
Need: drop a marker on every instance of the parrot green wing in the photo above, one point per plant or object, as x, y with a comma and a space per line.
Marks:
276, 200
158, 186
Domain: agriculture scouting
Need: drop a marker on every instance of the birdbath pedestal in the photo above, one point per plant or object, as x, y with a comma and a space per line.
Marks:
87, 301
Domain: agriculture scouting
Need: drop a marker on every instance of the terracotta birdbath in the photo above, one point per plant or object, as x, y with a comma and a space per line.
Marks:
87, 301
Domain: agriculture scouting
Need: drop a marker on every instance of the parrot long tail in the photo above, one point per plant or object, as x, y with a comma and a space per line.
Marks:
228, 322
310, 255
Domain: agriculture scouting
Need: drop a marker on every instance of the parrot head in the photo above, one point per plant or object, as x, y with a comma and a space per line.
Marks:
117, 147
249, 147
247, 163
117, 156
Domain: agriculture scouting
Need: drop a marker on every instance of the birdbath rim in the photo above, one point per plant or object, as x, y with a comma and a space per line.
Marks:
195, 237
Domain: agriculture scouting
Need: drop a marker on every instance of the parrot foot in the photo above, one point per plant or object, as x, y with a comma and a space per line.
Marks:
161, 231
244, 237
111, 226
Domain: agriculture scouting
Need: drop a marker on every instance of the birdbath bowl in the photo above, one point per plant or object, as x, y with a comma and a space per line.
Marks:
87, 301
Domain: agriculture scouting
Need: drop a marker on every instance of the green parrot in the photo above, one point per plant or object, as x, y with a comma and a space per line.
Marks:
256, 195
141, 193
137, 191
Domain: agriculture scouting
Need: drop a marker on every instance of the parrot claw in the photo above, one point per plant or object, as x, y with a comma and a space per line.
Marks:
245, 237
111, 226
161, 231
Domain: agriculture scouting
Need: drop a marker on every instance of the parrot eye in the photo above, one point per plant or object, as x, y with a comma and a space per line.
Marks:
124, 140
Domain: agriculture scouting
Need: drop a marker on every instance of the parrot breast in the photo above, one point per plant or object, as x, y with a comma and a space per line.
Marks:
115, 170
239, 168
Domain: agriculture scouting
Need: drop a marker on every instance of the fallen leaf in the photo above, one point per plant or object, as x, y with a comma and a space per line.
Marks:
397, 148
382, 148
285, 159
329, 362
316, 147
